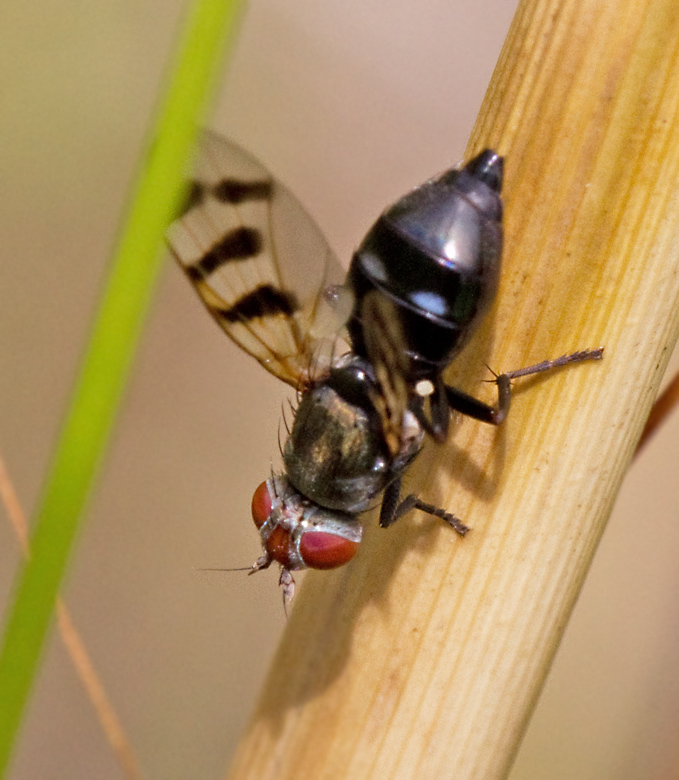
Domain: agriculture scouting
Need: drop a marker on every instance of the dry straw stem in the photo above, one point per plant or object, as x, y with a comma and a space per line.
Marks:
80, 658
424, 658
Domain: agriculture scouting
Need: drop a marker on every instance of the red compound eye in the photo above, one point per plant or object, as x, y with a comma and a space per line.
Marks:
261, 505
322, 550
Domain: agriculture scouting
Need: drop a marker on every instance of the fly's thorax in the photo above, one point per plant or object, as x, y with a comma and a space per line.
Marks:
296, 533
336, 454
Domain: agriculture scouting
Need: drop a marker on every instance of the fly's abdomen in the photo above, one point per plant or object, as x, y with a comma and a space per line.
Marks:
436, 254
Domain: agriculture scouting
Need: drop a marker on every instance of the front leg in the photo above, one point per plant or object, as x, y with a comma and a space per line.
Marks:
393, 508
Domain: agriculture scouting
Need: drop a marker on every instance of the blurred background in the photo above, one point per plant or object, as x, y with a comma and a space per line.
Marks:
350, 104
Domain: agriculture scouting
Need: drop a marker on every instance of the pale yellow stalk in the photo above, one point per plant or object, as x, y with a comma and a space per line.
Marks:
424, 658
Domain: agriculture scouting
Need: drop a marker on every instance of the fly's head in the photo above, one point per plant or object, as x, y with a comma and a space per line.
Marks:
299, 534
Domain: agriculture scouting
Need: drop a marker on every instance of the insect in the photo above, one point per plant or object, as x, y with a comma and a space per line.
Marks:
417, 287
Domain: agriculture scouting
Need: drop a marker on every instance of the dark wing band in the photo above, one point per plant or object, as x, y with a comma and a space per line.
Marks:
257, 260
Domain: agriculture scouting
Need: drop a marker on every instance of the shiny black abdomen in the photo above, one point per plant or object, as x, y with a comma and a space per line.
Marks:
436, 255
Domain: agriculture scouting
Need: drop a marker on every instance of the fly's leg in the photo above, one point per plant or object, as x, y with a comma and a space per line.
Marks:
390, 501
393, 508
442, 399
470, 406
436, 424
413, 502
564, 360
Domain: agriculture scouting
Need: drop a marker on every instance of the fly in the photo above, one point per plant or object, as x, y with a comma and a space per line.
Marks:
417, 287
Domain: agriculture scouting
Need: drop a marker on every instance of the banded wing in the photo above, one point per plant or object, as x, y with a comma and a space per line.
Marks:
259, 262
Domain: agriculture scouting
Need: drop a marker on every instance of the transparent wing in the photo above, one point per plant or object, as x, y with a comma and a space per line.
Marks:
259, 262
387, 352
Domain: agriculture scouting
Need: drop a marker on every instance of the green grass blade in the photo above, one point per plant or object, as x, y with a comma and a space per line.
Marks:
136, 264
